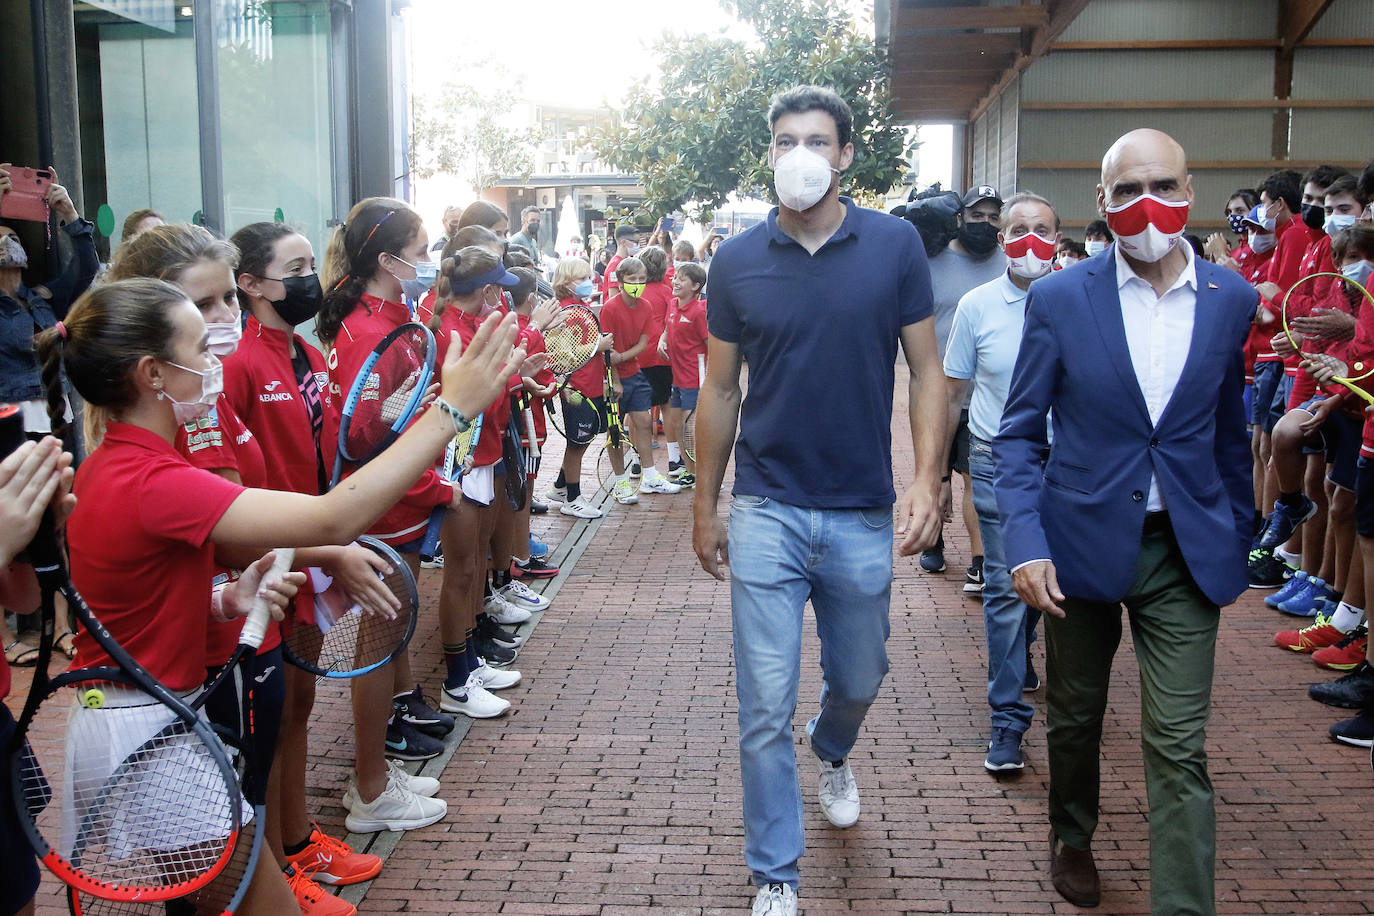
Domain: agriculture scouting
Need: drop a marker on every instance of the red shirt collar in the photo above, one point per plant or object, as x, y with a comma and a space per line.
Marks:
129, 434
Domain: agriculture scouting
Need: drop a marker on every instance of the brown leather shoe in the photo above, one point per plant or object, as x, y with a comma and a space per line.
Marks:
1074, 873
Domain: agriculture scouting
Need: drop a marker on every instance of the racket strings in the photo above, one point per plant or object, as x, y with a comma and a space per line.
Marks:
128, 814
390, 387
689, 435
356, 640
572, 344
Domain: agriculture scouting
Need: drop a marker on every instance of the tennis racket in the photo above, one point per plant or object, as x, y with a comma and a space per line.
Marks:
452, 468
616, 438
137, 800
1359, 366
385, 395
688, 438
513, 457
347, 642
572, 341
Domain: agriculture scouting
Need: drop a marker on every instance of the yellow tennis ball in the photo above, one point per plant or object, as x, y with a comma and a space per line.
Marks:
93, 698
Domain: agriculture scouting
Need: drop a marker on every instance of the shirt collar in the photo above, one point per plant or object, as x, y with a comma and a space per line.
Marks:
130, 434
1186, 277
1010, 291
849, 227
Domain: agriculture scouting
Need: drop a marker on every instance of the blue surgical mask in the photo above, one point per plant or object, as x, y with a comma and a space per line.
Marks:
1338, 221
1359, 272
422, 282
584, 289
1095, 247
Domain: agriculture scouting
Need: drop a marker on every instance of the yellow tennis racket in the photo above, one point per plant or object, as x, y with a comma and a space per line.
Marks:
1359, 366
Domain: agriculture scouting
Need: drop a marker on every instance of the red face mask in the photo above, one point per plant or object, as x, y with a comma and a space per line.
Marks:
1030, 255
1148, 227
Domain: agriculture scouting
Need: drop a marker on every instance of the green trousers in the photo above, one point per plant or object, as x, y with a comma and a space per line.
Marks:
1174, 628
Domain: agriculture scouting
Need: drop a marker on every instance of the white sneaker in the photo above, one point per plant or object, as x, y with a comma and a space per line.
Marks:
580, 508
839, 794
425, 786
557, 494
473, 700
775, 900
503, 612
657, 483
522, 596
395, 809
495, 678
434, 562
626, 492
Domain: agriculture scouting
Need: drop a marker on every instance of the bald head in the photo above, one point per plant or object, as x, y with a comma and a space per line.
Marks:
1144, 161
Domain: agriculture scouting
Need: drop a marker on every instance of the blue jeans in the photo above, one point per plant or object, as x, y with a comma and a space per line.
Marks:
1010, 624
780, 556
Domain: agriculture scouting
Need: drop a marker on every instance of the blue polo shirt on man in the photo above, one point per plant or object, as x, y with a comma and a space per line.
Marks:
820, 334
983, 343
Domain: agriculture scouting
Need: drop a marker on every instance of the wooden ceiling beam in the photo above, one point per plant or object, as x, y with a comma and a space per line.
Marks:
913, 16
1296, 19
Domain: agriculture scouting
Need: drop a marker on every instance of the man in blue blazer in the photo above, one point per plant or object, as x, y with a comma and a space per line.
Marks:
1145, 501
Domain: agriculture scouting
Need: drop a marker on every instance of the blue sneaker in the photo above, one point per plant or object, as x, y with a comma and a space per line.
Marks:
1004, 751
1290, 588
538, 549
1307, 602
1282, 522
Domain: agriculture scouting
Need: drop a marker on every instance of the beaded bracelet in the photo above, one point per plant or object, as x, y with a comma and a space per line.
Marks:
460, 422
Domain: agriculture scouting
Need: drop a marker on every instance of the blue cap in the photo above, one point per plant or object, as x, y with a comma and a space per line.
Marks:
1256, 216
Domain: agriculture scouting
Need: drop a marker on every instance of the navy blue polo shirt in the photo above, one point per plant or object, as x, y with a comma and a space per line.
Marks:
820, 333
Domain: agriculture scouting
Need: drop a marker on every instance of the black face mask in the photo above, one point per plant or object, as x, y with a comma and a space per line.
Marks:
1314, 216
979, 239
532, 230
302, 300
1237, 222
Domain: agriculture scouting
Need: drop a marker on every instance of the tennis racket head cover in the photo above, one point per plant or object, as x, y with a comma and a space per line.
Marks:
386, 392
571, 341
346, 641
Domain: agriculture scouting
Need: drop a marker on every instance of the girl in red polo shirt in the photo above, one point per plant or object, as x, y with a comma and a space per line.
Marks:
376, 259
146, 539
460, 301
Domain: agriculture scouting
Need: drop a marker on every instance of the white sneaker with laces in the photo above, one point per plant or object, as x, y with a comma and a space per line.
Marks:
557, 494
580, 508
775, 900
522, 596
839, 794
626, 492
496, 678
473, 700
657, 483
397, 808
424, 786
502, 611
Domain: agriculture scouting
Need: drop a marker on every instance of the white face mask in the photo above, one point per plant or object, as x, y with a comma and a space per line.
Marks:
223, 337
1267, 221
1359, 272
1029, 256
1095, 246
1259, 244
1338, 221
801, 177
211, 385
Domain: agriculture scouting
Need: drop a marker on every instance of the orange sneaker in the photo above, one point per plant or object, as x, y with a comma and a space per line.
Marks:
1345, 655
313, 899
331, 861
1317, 635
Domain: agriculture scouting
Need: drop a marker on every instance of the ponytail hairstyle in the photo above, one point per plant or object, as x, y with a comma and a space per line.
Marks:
166, 252
455, 270
257, 245
109, 329
655, 263
374, 226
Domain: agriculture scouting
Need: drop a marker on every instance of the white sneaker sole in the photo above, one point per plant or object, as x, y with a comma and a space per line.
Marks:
448, 704
356, 824
836, 821
588, 514
500, 679
513, 617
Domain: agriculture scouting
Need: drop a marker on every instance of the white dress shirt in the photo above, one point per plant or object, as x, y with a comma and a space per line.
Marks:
1159, 331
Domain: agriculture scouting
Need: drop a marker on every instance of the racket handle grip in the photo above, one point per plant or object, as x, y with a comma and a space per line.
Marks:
701, 369
255, 627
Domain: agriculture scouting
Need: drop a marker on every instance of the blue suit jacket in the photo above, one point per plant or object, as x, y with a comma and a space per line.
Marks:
1085, 508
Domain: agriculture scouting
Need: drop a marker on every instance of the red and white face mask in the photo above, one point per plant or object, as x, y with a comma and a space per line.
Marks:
1148, 227
1030, 256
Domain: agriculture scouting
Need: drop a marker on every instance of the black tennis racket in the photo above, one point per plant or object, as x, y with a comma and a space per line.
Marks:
452, 468
347, 642
385, 395
123, 791
513, 457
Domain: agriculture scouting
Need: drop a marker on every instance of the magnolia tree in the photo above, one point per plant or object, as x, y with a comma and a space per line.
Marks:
699, 131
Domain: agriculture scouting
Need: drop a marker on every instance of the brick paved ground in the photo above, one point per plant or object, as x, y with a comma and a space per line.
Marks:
614, 788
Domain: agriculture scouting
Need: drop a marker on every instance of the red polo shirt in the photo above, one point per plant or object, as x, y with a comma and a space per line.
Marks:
686, 328
496, 417
141, 555
626, 325
657, 297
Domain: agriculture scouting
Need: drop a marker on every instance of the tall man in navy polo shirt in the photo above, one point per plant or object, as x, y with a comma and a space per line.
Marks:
817, 299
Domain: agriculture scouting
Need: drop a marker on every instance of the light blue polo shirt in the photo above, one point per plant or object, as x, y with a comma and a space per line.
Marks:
983, 343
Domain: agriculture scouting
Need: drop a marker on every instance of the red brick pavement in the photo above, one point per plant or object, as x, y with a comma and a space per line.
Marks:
614, 786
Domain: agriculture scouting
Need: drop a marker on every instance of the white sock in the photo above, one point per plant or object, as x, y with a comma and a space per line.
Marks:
674, 452
1346, 618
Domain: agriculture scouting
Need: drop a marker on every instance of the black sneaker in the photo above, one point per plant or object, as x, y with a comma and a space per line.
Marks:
497, 655
674, 469
933, 560
414, 710
973, 578
406, 742
538, 508
534, 568
490, 629
1353, 691
1032, 681
636, 470
1358, 732
686, 481
1265, 570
